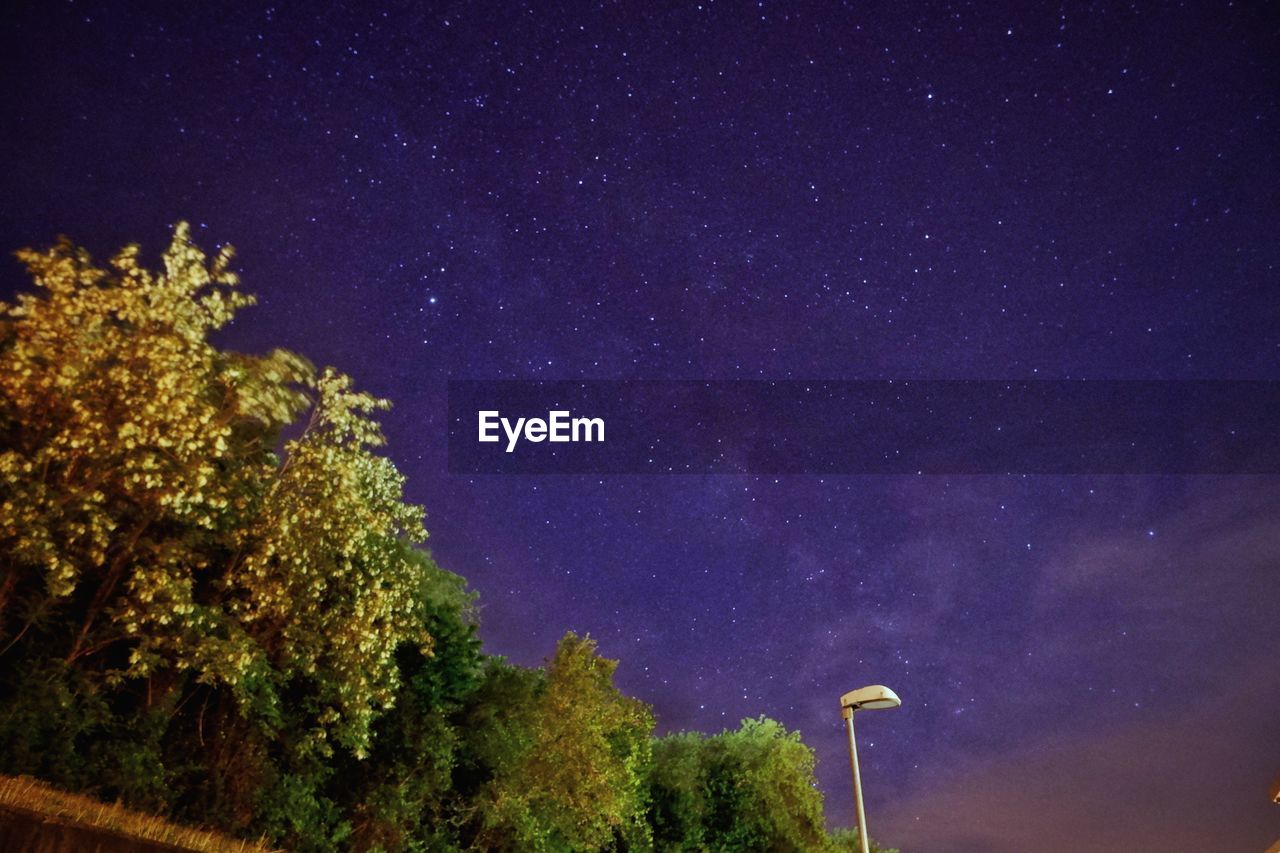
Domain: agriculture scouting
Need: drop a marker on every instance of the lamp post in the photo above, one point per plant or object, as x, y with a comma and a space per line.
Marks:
871, 698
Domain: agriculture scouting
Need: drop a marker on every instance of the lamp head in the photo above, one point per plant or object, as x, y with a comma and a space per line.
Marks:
871, 698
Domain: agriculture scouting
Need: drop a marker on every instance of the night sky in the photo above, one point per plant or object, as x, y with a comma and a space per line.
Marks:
763, 190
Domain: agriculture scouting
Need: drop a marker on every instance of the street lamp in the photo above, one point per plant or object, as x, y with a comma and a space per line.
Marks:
872, 698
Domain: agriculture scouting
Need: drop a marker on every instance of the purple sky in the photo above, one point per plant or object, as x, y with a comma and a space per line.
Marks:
764, 191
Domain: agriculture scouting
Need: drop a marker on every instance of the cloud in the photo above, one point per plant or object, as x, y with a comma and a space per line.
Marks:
1178, 783
1164, 735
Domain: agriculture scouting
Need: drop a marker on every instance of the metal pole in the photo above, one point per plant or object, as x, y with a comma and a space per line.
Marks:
857, 782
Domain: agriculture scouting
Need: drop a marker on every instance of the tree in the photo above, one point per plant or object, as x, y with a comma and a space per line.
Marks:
403, 796
572, 777
678, 796
158, 555
748, 789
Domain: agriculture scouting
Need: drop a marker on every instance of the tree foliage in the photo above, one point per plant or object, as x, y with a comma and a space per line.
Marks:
751, 788
572, 774
214, 604
153, 538
847, 841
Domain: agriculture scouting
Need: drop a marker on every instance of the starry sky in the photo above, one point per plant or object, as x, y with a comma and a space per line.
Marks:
421, 193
